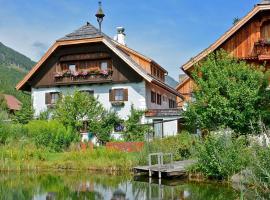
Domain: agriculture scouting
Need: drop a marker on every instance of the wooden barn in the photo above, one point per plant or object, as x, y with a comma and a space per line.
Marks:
248, 39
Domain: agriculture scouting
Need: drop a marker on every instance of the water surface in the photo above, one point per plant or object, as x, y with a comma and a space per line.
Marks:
55, 185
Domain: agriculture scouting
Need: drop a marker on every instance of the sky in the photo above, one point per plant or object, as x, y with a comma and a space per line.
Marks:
168, 31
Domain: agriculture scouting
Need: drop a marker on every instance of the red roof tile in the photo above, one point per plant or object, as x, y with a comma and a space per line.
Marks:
12, 102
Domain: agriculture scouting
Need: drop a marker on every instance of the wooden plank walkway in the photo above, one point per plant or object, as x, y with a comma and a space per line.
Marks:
178, 168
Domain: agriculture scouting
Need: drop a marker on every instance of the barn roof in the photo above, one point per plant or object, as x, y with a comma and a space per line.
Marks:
12, 102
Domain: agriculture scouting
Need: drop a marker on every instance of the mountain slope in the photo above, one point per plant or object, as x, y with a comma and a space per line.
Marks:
11, 57
13, 67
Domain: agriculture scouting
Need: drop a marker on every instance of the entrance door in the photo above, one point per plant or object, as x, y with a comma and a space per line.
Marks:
158, 128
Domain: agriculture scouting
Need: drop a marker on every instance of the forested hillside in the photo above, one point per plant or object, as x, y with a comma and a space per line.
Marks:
13, 67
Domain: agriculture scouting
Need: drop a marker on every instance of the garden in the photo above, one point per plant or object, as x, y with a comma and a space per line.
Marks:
231, 116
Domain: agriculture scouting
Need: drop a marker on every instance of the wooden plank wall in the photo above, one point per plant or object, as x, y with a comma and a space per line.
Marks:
121, 71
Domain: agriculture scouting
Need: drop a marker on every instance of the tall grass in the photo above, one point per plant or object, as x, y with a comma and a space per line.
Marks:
28, 157
181, 146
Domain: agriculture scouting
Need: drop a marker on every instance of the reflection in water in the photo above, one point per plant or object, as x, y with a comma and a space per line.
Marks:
53, 186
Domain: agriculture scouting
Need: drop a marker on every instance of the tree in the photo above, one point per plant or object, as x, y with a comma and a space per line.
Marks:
24, 115
73, 110
103, 128
229, 93
134, 130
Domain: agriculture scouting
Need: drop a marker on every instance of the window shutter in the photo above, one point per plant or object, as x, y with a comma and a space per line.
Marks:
48, 98
111, 95
125, 94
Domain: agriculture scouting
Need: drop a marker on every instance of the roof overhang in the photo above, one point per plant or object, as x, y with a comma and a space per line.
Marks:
260, 7
104, 40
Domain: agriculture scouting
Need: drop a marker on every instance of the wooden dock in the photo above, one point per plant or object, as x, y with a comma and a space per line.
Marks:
173, 169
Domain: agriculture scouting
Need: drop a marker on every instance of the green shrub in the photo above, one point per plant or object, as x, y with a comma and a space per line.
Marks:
220, 156
10, 132
134, 130
260, 166
51, 134
181, 146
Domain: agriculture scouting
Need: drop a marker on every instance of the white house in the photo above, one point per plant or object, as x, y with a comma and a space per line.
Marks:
88, 60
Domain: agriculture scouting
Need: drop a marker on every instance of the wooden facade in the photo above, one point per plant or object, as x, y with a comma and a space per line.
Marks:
86, 57
248, 39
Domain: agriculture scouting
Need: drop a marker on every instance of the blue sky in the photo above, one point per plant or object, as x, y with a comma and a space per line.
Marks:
169, 31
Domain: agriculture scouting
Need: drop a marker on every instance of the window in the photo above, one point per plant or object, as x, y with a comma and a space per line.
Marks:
158, 128
153, 97
51, 98
104, 65
265, 31
72, 67
119, 94
164, 98
158, 99
172, 103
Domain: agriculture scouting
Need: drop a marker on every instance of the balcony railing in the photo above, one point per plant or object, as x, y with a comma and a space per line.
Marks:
62, 78
262, 49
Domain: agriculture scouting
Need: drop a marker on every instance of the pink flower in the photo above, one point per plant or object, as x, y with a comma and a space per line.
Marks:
84, 73
104, 72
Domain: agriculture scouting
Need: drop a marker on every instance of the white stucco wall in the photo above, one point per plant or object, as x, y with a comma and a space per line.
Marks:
170, 128
164, 104
136, 96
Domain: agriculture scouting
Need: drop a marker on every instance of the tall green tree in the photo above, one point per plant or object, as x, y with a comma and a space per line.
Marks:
73, 110
134, 130
229, 93
24, 115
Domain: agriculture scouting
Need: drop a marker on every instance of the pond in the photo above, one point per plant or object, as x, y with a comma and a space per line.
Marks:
56, 185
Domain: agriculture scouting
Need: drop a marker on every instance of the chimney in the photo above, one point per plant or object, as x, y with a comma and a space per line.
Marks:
120, 37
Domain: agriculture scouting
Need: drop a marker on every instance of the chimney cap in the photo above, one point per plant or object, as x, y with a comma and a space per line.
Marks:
120, 30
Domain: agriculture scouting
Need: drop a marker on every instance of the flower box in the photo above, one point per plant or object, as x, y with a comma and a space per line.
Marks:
118, 103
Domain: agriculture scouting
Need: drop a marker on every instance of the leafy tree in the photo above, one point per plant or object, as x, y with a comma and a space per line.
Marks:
229, 93
103, 128
72, 110
134, 131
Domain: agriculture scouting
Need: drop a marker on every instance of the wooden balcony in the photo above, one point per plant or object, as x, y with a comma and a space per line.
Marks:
82, 78
262, 50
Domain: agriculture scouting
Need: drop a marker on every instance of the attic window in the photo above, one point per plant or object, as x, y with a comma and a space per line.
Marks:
104, 65
72, 67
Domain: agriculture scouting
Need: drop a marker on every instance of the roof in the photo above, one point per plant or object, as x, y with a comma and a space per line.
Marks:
258, 8
89, 34
86, 31
183, 81
12, 102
